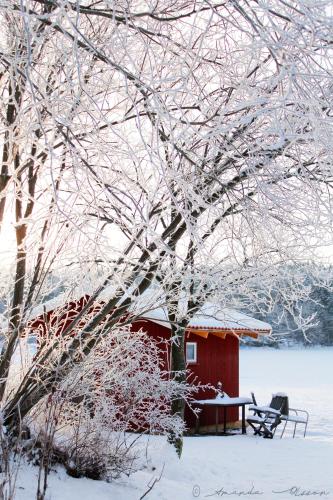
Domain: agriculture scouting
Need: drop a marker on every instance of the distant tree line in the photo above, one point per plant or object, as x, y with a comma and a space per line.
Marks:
317, 307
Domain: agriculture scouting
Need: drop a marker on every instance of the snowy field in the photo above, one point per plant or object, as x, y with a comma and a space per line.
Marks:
234, 466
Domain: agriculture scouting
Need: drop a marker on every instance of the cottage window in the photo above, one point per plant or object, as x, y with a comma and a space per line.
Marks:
191, 352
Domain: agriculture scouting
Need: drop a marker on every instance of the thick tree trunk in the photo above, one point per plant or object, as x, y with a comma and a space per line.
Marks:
15, 317
178, 368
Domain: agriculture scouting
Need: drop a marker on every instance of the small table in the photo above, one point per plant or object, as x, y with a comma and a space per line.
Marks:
224, 402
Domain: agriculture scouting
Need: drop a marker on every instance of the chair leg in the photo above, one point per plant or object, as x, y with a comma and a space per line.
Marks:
306, 425
268, 434
284, 428
260, 430
255, 429
294, 432
274, 430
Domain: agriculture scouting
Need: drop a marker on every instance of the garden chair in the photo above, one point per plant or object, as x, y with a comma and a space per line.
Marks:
265, 419
280, 403
295, 416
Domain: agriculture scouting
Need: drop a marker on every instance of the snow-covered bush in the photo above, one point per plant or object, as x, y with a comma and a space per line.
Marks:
120, 386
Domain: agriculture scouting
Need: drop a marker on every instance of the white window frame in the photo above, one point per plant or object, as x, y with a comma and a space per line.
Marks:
195, 358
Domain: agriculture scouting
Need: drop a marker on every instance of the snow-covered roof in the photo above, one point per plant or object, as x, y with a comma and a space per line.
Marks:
210, 317
150, 306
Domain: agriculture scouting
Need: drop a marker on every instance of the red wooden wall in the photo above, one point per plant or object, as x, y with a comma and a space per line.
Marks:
217, 361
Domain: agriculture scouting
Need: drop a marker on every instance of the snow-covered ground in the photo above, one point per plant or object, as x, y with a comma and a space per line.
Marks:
233, 466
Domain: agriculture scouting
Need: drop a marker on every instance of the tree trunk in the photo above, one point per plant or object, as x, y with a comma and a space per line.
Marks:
15, 317
178, 368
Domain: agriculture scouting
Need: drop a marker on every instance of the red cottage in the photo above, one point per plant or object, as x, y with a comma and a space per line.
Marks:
212, 345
